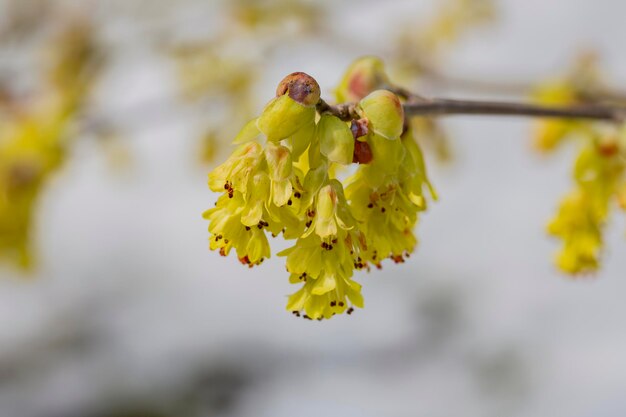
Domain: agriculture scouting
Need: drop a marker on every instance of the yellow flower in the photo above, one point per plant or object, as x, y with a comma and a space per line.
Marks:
280, 167
583, 213
386, 195
288, 185
228, 230
31, 150
324, 257
259, 184
325, 266
579, 224
292, 110
548, 134
331, 291
384, 112
331, 212
284, 117
336, 140
235, 173
33, 143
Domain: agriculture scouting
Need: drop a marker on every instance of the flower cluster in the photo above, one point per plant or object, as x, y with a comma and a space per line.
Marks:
34, 137
290, 176
598, 171
582, 215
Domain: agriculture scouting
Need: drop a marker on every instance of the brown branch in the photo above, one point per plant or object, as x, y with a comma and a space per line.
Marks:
439, 107
345, 111
444, 107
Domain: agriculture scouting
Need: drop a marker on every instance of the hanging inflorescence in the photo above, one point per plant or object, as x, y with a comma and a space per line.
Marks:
290, 176
34, 138
285, 179
599, 170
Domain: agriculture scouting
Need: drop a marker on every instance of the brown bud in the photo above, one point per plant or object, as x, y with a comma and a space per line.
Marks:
362, 152
301, 87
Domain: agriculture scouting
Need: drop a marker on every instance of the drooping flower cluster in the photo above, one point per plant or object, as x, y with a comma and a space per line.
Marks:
34, 137
583, 213
598, 171
283, 179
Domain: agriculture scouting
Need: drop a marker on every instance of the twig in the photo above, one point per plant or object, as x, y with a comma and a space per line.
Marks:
439, 107
345, 111
443, 107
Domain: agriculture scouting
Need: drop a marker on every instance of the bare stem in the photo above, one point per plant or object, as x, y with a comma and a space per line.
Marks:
439, 107
443, 107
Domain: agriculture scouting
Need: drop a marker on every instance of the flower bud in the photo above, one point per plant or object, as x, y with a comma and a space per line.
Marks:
365, 75
282, 117
336, 141
301, 87
384, 112
362, 153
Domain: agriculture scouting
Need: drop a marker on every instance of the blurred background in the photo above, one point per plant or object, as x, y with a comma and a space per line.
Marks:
112, 305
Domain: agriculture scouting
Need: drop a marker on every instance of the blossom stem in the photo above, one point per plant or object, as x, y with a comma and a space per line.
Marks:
444, 107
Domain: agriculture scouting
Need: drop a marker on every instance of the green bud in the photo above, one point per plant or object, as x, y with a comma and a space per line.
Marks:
282, 117
384, 112
336, 140
364, 75
301, 87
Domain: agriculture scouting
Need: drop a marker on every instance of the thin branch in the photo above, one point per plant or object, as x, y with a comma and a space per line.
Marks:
443, 107
345, 111
439, 107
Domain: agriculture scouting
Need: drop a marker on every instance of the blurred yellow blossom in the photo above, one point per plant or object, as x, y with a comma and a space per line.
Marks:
598, 171
548, 134
34, 139
583, 214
